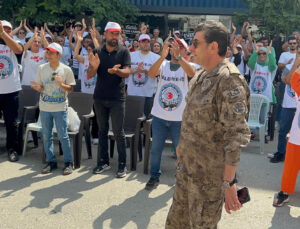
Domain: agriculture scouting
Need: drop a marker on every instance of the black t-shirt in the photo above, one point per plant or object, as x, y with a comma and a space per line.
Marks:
108, 86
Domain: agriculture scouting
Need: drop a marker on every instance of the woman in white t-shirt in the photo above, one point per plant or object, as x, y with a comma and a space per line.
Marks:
34, 57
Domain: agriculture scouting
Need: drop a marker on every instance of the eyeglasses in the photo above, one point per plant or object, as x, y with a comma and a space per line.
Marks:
262, 54
292, 43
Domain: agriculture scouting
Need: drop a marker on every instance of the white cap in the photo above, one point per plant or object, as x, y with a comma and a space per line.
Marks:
6, 23
177, 31
54, 47
112, 27
48, 35
144, 37
239, 46
182, 43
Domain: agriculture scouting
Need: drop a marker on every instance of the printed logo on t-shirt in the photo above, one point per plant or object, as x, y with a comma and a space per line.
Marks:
259, 84
56, 97
37, 58
6, 67
170, 97
139, 79
290, 91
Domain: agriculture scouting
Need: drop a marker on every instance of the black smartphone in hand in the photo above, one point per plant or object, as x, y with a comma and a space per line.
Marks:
243, 195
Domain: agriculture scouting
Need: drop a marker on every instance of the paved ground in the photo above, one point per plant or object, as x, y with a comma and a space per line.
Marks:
82, 200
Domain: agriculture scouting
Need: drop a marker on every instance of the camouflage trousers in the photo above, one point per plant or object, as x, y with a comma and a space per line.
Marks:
191, 208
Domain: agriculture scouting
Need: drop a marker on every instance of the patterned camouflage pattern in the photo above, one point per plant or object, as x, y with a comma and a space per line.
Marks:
214, 129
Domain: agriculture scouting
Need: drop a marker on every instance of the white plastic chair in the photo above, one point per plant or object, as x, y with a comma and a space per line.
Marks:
256, 104
36, 126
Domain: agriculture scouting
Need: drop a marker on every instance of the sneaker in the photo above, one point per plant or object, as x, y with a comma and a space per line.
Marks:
95, 141
271, 155
278, 157
49, 167
13, 156
101, 168
68, 169
122, 171
280, 199
152, 183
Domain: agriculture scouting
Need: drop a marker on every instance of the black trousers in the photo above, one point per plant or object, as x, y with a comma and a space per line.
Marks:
9, 105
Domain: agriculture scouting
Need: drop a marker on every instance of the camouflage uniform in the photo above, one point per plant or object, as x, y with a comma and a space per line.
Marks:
214, 128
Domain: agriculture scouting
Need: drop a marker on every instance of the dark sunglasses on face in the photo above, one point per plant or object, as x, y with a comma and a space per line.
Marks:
292, 43
262, 53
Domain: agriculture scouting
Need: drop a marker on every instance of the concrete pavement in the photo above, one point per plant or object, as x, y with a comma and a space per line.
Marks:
82, 200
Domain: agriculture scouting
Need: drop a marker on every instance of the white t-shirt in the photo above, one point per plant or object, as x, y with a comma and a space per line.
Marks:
81, 66
169, 101
289, 94
286, 56
9, 71
87, 85
30, 64
261, 81
53, 98
295, 130
140, 84
22, 41
66, 56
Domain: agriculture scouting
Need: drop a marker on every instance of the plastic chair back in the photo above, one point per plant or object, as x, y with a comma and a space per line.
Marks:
134, 109
256, 104
82, 103
27, 97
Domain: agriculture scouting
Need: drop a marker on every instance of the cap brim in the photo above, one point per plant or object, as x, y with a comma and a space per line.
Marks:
114, 30
145, 39
51, 49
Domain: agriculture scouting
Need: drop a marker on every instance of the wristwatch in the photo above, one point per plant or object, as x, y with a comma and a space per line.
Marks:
227, 184
178, 58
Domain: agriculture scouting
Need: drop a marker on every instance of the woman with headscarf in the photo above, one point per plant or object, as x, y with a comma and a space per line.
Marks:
262, 64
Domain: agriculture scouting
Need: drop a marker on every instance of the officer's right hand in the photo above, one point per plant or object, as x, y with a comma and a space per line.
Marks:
94, 60
177, 151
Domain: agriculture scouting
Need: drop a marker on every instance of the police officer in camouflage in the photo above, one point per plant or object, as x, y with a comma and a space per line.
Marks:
214, 129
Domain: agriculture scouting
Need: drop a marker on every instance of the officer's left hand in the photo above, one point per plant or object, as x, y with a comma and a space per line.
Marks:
114, 69
231, 200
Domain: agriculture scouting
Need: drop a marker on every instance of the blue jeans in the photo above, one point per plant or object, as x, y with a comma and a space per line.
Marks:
160, 131
286, 120
116, 109
60, 119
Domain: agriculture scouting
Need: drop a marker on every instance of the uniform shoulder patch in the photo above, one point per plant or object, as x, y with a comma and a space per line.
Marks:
239, 108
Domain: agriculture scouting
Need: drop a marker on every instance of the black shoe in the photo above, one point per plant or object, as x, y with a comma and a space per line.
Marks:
68, 169
278, 157
266, 140
122, 170
152, 183
280, 199
13, 155
101, 168
49, 167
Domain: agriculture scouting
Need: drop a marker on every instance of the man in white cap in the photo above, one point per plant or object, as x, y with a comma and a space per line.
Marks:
54, 82
9, 87
139, 83
111, 64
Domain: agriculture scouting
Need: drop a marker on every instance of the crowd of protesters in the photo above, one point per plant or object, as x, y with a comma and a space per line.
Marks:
145, 66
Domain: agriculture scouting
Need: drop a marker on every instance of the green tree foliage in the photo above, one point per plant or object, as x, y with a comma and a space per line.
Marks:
40, 11
276, 16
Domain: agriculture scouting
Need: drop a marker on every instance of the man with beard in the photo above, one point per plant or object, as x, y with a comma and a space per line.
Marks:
9, 87
111, 63
139, 83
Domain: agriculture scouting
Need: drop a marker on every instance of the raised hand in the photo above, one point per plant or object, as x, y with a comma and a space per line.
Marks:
58, 79
79, 36
233, 27
36, 86
83, 25
114, 69
93, 24
94, 60
270, 46
42, 32
140, 67
144, 29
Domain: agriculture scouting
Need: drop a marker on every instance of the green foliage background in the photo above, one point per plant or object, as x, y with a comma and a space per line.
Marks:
274, 16
40, 11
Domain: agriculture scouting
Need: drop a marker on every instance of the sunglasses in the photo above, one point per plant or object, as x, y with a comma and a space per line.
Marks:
262, 54
293, 43
53, 76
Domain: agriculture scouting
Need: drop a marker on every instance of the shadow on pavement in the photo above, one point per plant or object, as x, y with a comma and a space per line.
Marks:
133, 209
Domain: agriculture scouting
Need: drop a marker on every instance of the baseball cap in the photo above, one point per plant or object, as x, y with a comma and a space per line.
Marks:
54, 47
112, 27
48, 35
182, 43
6, 23
78, 23
177, 31
144, 37
239, 46
29, 35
